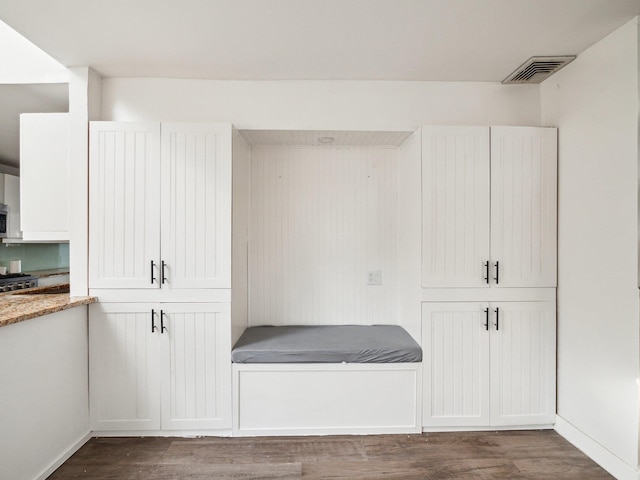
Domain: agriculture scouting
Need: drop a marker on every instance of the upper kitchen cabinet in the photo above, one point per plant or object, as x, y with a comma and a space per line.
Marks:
524, 169
455, 206
489, 207
160, 206
11, 186
44, 177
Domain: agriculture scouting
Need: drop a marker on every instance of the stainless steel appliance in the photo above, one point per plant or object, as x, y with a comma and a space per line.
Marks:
3, 221
17, 281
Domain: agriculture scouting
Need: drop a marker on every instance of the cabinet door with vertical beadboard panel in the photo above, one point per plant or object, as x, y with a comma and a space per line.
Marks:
124, 204
196, 359
196, 205
523, 363
455, 344
124, 383
455, 206
524, 206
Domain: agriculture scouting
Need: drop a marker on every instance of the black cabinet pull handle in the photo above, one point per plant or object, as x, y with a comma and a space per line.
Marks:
162, 327
496, 278
164, 278
486, 272
486, 318
153, 265
497, 318
153, 323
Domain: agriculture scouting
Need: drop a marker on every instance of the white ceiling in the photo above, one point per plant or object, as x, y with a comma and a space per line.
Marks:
439, 40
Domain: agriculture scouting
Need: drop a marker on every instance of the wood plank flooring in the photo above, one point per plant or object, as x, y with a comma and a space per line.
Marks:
470, 455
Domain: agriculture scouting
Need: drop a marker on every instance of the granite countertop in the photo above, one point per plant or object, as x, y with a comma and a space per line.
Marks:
49, 272
21, 305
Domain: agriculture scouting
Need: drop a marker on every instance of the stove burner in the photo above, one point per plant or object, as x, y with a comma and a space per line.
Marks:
17, 281
14, 275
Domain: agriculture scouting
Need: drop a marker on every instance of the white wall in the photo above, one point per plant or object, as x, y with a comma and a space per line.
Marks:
364, 105
44, 403
241, 177
594, 102
84, 105
409, 267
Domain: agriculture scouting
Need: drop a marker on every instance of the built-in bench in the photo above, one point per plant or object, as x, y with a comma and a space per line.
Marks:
304, 380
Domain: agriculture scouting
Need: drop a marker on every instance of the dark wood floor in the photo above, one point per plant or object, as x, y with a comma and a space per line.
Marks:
479, 455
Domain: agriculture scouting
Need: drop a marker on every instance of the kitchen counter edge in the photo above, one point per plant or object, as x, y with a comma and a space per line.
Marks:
26, 307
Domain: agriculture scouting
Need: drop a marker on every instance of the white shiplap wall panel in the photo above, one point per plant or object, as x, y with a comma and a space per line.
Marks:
321, 218
240, 233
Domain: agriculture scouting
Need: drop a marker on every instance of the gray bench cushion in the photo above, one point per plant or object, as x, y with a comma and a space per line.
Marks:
326, 344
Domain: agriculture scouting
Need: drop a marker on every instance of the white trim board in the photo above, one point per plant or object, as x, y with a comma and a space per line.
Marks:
598, 453
65, 456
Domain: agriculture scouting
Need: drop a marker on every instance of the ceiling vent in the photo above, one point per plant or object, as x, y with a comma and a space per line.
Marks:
538, 69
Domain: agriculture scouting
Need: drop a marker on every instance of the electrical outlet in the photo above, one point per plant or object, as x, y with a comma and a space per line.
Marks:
374, 277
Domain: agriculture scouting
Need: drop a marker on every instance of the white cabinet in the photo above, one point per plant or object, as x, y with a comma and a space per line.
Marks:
489, 207
124, 205
455, 206
196, 205
160, 366
488, 364
12, 200
160, 206
44, 177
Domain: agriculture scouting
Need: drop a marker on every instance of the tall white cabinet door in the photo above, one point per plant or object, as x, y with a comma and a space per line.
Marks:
196, 352
455, 341
524, 206
523, 363
124, 205
124, 388
455, 206
196, 205
44, 176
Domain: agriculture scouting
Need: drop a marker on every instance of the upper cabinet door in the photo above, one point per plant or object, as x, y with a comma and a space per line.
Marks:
44, 176
196, 205
455, 206
124, 205
523, 206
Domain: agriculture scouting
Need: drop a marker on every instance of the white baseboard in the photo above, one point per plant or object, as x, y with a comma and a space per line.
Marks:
488, 428
65, 456
599, 454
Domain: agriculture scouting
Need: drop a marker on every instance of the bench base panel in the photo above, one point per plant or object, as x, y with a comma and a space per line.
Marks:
326, 399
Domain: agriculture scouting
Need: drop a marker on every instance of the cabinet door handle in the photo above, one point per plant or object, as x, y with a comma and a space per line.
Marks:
153, 323
153, 278
486, 272
486, 319
497, 277
162, 273
497, 318
162, 327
